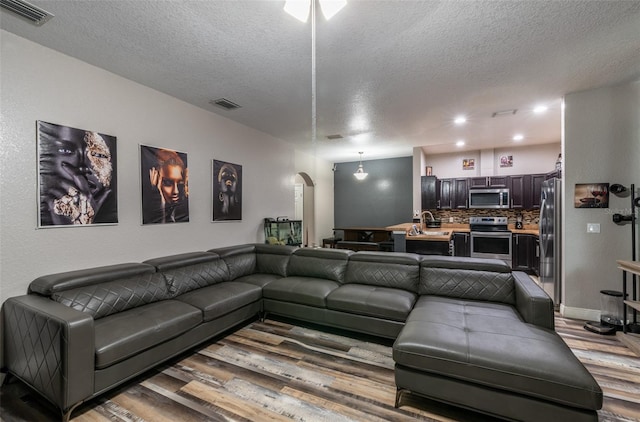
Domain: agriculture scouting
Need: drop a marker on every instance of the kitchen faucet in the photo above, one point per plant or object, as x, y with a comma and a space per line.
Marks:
424, 222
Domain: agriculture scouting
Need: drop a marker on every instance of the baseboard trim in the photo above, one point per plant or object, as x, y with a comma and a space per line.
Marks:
579, 313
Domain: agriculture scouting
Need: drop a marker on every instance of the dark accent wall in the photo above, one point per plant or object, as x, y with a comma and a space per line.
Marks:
383, 199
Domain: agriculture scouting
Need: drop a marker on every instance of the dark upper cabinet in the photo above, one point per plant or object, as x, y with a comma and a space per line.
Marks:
518, 191
536, 189
428, 192
460, 193
444, 191
488, 182
477, 182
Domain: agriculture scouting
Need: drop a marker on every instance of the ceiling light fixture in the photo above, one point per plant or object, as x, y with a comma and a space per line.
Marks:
299, 9
460, 143
460, 120
518, 137
360, 174
540, 109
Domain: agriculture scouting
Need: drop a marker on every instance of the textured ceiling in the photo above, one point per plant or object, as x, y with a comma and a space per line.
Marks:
391, 75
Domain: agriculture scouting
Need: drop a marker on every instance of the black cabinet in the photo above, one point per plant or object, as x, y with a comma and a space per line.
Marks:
460, 193
427, 247
428, 192
444, 190
518, 191
525, 253
461, 245
536, 189
488, 182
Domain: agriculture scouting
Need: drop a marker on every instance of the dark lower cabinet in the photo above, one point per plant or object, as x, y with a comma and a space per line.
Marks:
461, 245
525, 253
427, 247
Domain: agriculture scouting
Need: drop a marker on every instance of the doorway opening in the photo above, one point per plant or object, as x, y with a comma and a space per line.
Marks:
305, 208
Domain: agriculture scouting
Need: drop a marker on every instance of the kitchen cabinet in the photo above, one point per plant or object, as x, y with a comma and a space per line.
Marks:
488, 182
444, 192
460, 193
518, 191
525, 252
427, 247
461, 245
428, 192
536, 190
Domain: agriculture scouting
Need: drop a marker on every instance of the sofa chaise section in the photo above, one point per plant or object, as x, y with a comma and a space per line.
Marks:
466, 343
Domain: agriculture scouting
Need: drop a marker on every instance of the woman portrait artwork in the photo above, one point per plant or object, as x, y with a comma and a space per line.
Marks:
165, 186
77, 175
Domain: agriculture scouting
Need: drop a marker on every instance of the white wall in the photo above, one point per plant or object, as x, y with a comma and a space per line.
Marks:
526, 160
601, 144
41, 84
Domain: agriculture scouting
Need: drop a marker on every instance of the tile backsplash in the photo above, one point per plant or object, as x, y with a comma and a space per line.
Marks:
462, 216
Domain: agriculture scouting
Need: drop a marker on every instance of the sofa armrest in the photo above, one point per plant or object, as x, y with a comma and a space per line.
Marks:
532, 302
51, 347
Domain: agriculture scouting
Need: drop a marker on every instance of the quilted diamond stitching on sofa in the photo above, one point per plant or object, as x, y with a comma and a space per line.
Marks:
115, 296
479, 285
32, 353
191, 277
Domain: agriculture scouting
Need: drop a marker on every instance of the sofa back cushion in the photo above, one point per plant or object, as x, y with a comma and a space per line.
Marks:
467, 278
329, 264
46, 285
273, 259
240, 260
384, 269
100, 300
190, 271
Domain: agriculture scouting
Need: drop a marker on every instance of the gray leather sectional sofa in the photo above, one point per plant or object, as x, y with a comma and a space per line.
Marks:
468, 332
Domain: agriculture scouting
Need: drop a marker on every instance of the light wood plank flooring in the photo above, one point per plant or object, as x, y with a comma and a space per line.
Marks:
278, 371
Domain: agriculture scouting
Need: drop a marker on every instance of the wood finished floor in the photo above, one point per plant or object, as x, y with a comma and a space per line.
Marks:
276, 371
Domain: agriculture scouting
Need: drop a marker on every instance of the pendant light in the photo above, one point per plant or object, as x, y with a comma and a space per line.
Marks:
299, 9
360, 174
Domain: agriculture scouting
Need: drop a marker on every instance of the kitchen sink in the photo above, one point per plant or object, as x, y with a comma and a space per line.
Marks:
429, 233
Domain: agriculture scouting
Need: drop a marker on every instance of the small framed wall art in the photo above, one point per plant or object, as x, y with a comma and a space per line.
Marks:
227, 191
468, 164
591, 195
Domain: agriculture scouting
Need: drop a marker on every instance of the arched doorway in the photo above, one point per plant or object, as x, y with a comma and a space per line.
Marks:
305, 207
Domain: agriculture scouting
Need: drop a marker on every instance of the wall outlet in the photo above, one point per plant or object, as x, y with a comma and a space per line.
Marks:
593, 228
450, 219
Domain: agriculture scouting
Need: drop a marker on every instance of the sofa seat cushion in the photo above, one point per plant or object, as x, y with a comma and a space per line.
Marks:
488, 344
258, 279
381, 302
119, 336
303, 290
220, 299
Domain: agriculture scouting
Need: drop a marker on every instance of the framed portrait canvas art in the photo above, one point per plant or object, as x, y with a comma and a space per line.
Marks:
77, 183
165, 185
227, 191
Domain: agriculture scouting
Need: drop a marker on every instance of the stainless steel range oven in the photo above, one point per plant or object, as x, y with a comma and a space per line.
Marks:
490, 238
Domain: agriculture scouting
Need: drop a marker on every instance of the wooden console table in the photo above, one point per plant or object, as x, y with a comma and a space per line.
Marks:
629, 339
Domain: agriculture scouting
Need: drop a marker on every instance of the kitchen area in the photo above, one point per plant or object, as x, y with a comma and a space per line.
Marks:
511, 218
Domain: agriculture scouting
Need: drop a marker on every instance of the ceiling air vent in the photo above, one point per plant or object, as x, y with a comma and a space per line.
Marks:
336, 136
505, 113
28, 11
224, 103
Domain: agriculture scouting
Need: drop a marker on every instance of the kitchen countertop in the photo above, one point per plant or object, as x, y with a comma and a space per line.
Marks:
450, 228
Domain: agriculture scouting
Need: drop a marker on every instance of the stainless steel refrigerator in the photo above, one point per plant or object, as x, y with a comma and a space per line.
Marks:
550, 239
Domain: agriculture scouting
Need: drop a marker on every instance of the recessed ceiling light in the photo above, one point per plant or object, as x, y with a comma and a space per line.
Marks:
460, 143
518, 137
539, 109
460, 120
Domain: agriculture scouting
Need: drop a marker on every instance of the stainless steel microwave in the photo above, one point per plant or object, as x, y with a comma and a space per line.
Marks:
489, 198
